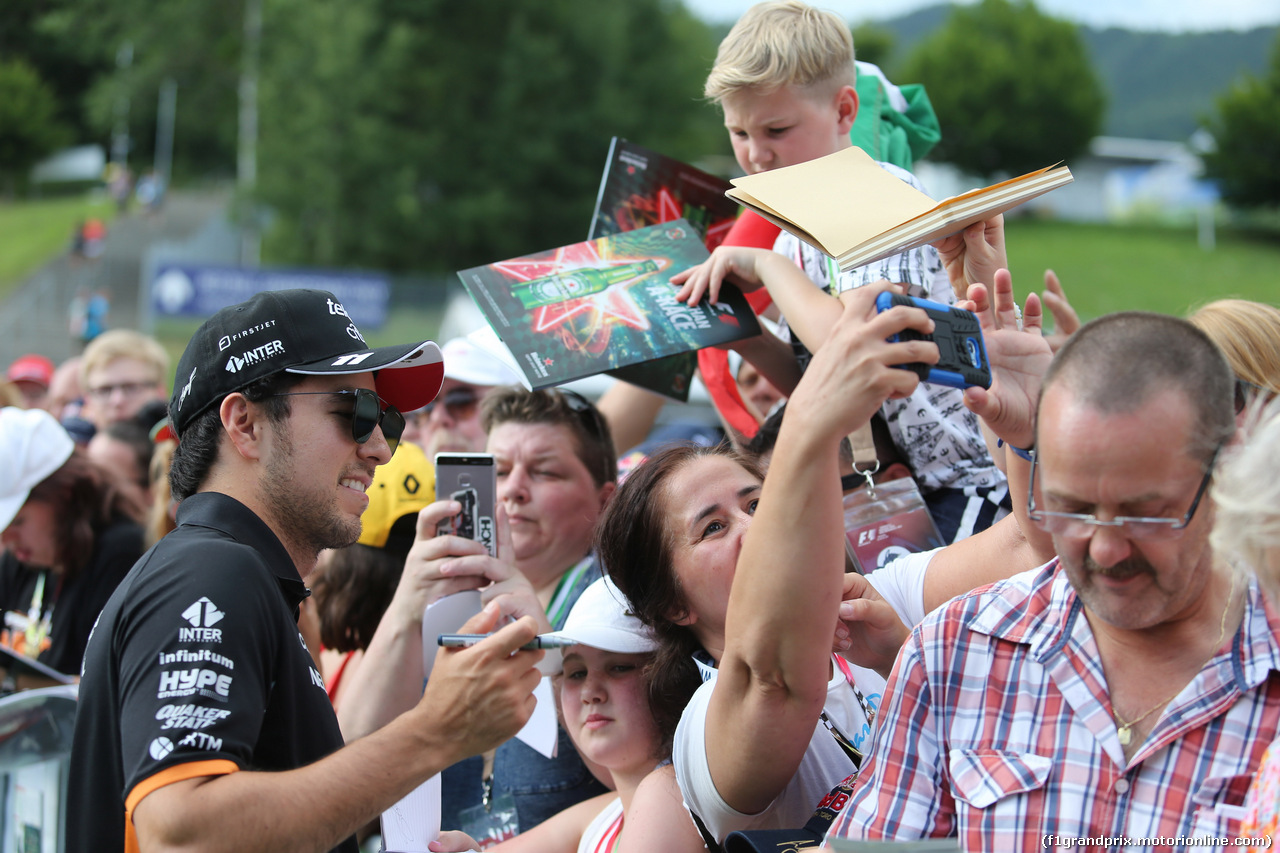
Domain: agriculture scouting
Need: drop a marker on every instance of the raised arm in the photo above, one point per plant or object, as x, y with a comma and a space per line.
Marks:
787, 587
1019, 356
630, 411
810, 311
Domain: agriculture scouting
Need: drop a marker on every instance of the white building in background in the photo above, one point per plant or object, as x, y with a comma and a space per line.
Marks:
82, 163
1118, 180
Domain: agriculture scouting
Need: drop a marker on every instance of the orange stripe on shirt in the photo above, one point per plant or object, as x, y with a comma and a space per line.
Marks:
176, 773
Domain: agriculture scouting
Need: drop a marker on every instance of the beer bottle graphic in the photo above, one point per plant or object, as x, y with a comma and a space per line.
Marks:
551, 289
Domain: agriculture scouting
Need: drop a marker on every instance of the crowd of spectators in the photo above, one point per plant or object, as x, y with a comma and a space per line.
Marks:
1086, 650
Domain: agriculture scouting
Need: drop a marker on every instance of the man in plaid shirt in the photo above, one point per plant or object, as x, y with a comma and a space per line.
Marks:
1120, 694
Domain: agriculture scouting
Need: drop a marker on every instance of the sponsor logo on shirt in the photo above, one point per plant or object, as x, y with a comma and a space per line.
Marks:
196, 656
200, 740
190, 716
190, 682
160, 748
202, 616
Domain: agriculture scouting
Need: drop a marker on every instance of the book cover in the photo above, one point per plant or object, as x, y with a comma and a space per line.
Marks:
603, 304
850, 208
641, 188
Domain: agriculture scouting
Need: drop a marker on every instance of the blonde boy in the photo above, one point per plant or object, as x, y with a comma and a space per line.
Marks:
784, 77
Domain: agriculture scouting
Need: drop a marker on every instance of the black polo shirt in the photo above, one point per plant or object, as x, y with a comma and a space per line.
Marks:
195, 668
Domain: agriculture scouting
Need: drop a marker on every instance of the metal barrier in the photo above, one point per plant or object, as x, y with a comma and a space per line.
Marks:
35, 754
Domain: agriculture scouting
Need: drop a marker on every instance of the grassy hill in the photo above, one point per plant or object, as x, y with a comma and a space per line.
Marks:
1159, 85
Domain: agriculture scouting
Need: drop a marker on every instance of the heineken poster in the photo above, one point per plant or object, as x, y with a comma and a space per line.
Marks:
641, 188
603, 304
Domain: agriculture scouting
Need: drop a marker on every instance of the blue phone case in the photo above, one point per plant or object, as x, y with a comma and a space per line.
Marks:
962, 356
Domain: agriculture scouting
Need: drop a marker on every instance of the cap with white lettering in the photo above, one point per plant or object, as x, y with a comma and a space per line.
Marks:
296, 331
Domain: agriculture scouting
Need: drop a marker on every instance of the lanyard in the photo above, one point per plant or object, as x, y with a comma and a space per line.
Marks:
559, 606
855, 754
37, 628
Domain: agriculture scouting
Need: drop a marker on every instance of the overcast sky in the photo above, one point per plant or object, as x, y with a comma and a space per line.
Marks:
1172, 15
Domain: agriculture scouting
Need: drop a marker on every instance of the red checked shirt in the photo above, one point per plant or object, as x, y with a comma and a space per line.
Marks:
997, 728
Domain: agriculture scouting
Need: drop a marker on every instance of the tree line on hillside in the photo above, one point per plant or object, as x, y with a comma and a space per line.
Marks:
427, 135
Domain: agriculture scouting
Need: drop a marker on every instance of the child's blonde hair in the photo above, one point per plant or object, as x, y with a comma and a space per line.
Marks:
782, 43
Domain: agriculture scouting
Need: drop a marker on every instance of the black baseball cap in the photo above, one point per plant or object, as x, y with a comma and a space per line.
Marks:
295, 331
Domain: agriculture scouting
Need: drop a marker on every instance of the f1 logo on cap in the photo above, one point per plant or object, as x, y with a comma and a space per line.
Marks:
354, 358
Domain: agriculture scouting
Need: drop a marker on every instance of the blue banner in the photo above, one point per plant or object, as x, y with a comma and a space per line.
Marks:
187, 290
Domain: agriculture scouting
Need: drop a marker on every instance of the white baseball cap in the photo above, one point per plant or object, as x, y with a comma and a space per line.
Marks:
32, 446
602, 618
464, 361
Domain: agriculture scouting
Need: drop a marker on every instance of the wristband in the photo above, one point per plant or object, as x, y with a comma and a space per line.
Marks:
1018, 451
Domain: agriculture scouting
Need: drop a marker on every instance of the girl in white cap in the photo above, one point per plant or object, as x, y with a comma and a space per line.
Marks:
615, 720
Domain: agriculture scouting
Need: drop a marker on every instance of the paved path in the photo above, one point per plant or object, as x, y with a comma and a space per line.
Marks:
36, 316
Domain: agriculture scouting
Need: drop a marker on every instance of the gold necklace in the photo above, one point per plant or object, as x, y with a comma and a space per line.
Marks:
1125, 731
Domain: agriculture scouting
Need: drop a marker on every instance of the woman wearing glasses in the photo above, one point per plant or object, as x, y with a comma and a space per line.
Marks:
556, 470
746, 577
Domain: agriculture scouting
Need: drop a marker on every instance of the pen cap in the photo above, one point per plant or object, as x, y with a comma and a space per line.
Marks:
602, 618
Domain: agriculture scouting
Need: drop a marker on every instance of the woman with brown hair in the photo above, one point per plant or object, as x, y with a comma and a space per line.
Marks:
71, 532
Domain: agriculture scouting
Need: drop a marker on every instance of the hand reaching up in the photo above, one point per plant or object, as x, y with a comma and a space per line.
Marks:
854, 371
1019, 359
1065, 318
973, 255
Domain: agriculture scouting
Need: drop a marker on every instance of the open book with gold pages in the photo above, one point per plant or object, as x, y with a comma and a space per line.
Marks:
847, 206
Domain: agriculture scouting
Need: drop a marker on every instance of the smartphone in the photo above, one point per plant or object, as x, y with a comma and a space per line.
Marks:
470, 479
962, 357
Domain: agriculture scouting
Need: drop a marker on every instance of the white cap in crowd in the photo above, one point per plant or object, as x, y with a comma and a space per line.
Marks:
602, 618
32, 446
466, 362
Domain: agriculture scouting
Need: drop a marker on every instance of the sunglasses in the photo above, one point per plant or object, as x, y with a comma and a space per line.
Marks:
587, 413
368, 412
460, 403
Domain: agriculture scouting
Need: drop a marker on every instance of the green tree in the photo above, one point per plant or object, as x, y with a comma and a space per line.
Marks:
1013, 88
1246, 128
873, 43
29, 128
49, 36
423, 134
197, 44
